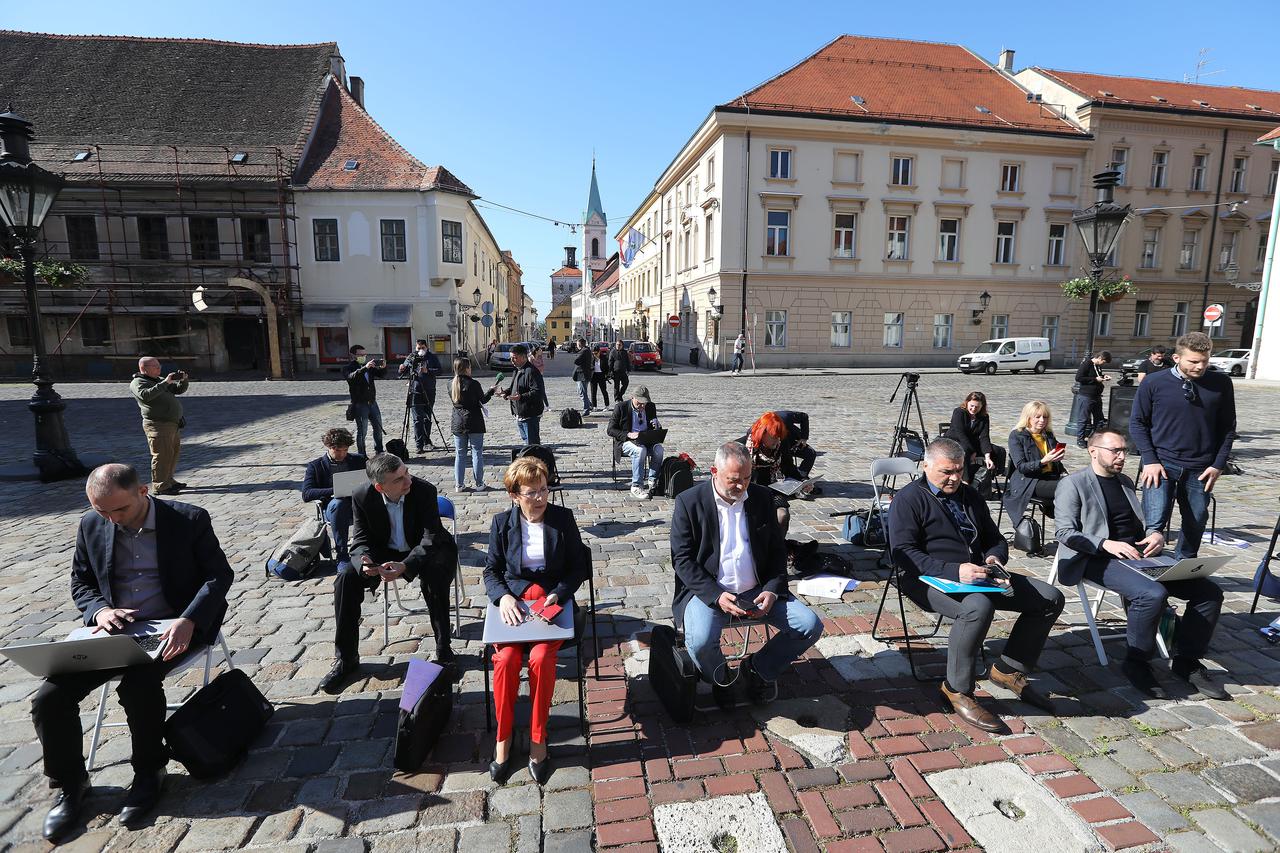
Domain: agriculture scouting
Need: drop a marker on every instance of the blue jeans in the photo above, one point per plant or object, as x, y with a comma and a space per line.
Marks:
337, 514
1179, 485
798, 629
529, 430
367, 413
637, 452
460, 442
584, 391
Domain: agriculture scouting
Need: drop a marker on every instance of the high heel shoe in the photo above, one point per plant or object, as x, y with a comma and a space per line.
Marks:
500, 771
540, 770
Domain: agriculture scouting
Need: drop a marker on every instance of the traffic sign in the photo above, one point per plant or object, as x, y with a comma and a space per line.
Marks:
486, 320
674, 321
487, 307
1212, 314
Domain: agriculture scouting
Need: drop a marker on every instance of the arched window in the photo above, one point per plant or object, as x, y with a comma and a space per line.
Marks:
595, 247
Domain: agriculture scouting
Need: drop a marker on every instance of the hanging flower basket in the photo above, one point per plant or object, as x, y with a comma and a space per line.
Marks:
1109, 289
54, 273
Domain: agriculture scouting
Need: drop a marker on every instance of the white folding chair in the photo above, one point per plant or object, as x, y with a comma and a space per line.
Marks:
191, 659
447, 511
1091, 612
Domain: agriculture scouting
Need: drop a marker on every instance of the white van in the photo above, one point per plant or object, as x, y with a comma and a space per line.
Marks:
1013, 354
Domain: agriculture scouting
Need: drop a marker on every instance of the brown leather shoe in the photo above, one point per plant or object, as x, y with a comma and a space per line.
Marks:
971, 712
1016, 683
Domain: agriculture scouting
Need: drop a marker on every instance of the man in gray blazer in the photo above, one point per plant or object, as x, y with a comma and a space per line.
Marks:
1099, 523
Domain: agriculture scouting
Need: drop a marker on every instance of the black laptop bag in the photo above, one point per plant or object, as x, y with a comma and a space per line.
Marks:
214, 728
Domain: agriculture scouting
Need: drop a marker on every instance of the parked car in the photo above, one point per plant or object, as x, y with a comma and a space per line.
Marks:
644, 356
1233, 361
501, 356
1012, 354
1131, 365
566, 346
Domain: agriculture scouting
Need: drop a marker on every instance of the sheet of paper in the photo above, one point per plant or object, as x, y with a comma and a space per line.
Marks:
825, 586
1225, 541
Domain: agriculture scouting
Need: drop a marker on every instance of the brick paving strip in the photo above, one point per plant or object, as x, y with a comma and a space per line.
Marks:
1181, 774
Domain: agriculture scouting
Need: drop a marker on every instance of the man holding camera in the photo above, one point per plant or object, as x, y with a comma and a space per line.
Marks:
361, 372
421, 367
162, 420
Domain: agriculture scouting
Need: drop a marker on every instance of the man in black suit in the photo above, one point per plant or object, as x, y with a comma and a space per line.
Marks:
361, 373
730, 561
317, 485
583, 368
397, 533
136, 558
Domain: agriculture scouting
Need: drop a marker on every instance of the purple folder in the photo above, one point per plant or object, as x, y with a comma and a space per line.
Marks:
420, 677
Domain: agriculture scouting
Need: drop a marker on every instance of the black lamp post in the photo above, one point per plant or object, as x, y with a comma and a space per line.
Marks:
1100, 226
27, 193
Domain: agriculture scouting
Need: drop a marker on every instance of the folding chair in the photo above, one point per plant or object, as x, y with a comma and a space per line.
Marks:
1264, 572
1033, 504
617, 457
445, 508
1091, 612
574, 642
188, 661
555, 484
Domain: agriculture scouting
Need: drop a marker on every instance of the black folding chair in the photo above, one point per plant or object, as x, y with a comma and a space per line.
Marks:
617, 457
540, 451
574, 642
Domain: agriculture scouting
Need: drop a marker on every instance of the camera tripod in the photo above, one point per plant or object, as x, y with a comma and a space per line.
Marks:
410, 395
902, 429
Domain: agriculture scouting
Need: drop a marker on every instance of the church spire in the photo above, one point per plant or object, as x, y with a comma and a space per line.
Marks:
593, 202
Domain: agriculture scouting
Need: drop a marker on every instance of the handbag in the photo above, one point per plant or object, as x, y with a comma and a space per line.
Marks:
214, 728
425, 708
1028, 537
351, 412
982, 481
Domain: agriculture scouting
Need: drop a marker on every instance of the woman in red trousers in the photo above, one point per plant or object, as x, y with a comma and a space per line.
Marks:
535, 554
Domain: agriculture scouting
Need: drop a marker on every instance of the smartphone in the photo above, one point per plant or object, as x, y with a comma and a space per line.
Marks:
998, 571
747, 603
1060, 446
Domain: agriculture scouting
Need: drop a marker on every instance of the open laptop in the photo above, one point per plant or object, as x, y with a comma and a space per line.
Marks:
345, 482
1167, 569
791, 488
85, 651
650, 437
532, 630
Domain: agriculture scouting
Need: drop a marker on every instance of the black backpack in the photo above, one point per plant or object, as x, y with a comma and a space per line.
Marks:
418, 729
570, 419
397, 446
672, 673
674, 476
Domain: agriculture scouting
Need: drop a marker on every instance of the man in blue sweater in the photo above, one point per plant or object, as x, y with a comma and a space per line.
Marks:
1183, 423
940, 527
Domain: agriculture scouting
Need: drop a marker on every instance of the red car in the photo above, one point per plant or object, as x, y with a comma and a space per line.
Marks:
644, 355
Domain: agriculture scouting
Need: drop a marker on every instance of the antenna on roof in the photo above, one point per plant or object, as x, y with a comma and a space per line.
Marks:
1201, 64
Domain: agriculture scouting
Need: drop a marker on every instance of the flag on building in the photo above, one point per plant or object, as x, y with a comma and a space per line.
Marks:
628, 245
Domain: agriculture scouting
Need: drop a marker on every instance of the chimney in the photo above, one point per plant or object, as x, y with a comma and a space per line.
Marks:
357, 90
1006, 60
569, 259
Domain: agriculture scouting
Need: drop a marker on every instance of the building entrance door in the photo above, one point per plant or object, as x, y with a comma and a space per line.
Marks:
246, 348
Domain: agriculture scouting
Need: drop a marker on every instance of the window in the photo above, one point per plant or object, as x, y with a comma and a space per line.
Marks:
942, 331
1063, 179
999, 325
893, 323
1057, 244
1010, 173
255, 239
902, 176
1142, 318
775, 328
332, 344
780, 163
1104, 320
153, 238
19, 331
668, 209
1180, 319
709, 249
1006, 242
1272, 177
777, 232
325, 232
848, 167
899, 238
948, 239
711, 171
1150, 248
953, 174
1239, 174
840, 322
1227, 255
205, 245
686, 247
1120, 163
845, 236
1049, 329
1159, 169
666, 259
1190, 249
94, 331
450, 241
595, 247
1261, 257
82, 238
1199, 171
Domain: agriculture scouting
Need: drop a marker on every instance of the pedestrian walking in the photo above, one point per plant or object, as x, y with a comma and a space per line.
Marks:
619, 369
361, 373
739, 347
162, 420
468, 425
599, 378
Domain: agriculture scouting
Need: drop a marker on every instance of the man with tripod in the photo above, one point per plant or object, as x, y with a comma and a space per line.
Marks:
422, 367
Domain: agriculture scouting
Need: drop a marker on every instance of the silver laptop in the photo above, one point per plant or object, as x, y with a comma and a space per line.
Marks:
1167, 569
345, 482
85, 651
532, 630
790, 488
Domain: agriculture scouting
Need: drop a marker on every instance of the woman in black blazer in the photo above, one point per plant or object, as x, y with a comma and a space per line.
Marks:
467, 425
1036, 461
535, 553
971, 429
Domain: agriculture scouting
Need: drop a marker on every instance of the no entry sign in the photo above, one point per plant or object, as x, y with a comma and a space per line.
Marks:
1212, 314
674, 321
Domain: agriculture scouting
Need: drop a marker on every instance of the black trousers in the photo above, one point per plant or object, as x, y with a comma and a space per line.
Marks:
806, 456
1039, 605
1145, 600
599, 383
55, 713
349, 587
620, 383
1094, 420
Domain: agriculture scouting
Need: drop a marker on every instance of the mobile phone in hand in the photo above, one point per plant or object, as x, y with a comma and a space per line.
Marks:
747, 603
1060, 446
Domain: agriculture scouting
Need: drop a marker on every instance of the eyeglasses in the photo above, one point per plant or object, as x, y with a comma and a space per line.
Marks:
1189, 390
539, 495
1117, 451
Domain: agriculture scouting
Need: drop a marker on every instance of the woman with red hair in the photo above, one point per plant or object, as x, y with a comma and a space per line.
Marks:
765, 440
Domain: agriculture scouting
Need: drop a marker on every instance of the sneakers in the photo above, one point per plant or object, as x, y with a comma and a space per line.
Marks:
461, 487
640, 493
481, 487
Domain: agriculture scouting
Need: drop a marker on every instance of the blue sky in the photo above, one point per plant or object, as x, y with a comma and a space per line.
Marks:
514, 97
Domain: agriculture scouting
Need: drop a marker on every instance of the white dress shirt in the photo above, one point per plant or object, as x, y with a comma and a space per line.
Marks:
737, 567
533, 544
395, 512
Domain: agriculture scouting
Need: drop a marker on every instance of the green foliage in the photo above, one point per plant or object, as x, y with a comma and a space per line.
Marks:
1108, 288
53, 272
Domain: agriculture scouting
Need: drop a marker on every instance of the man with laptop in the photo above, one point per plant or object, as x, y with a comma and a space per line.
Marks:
136, 559
634, 423
330, 479
1102, 538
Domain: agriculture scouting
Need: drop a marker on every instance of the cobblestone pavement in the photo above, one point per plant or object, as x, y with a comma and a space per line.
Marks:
850, 771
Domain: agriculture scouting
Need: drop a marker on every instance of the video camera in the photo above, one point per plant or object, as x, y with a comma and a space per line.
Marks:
1126, 375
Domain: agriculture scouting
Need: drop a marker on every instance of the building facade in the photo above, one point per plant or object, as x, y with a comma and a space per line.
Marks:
559, 323
567, 279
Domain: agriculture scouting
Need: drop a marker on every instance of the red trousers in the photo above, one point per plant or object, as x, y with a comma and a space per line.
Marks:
542, 679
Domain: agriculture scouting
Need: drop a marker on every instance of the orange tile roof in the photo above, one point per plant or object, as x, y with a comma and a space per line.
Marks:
568, 272
607, 278
1177, 97
911, 82
1267, 137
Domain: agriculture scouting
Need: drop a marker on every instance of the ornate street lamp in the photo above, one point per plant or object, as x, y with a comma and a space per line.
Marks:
27, 193
1100, 226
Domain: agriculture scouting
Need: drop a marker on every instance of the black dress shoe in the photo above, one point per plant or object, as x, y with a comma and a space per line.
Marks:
173, 489
180, 485
1143, 679
1198, 677
66, 808
500, 771
540, 770
759, 691
336, 679
142, 797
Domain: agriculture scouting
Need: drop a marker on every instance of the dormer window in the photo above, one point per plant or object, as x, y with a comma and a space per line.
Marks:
81, 156
351, 165
239, 158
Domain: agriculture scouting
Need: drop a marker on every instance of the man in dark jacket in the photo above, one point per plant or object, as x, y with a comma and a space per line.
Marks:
162, 420
422, 367
730, 562
941, 528
527, 395
397, 533
1092, 382
582, 370
796, 447
629, 419
361, 372
317, 485
136, 559
620, 369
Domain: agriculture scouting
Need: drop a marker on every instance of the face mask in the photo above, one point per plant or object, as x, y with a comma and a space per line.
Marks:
360, 359
422, 352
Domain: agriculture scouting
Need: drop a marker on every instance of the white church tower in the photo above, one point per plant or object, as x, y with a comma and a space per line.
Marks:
595, 248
